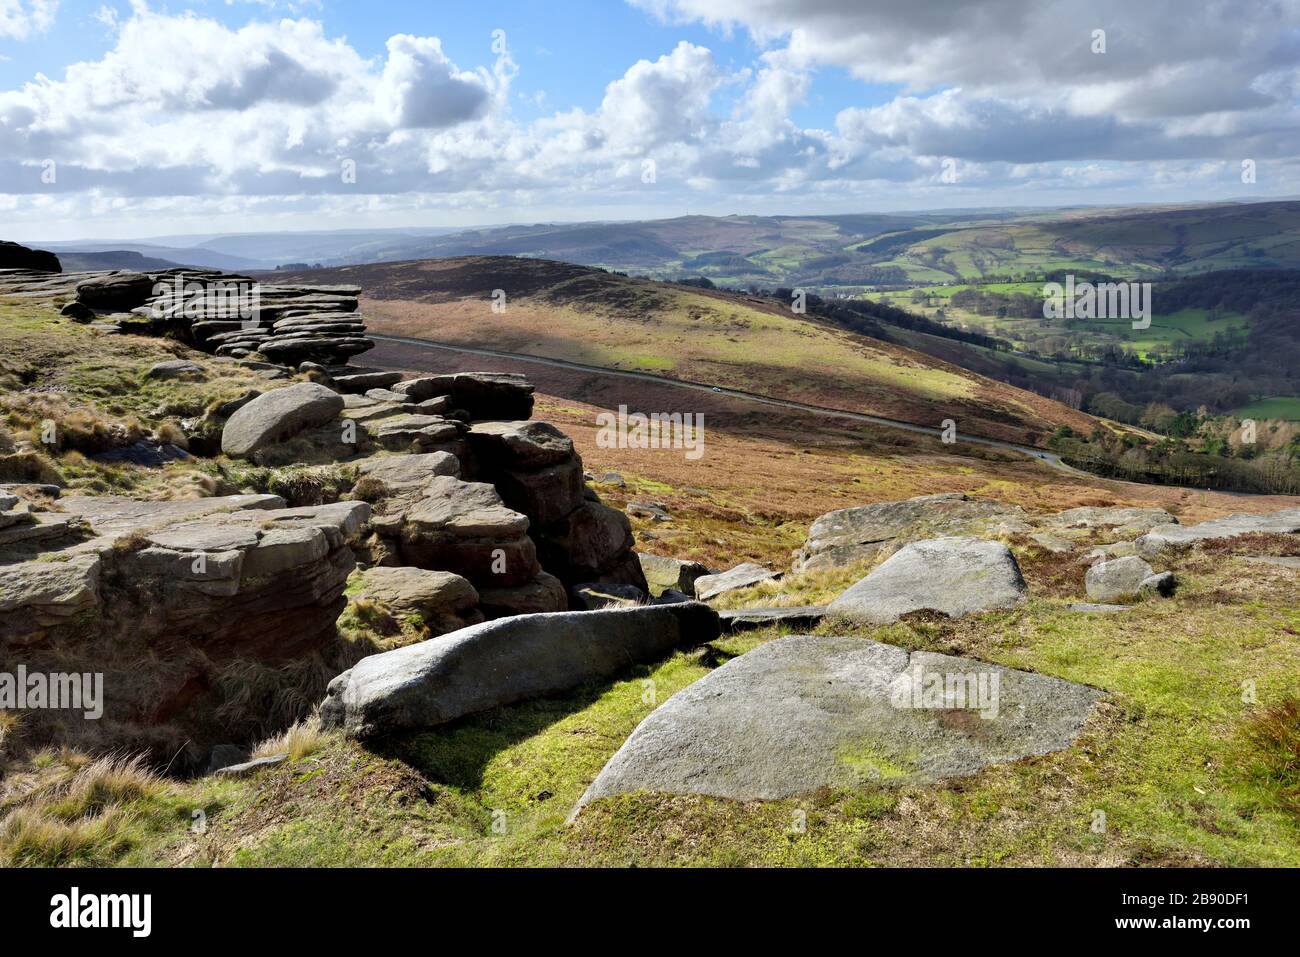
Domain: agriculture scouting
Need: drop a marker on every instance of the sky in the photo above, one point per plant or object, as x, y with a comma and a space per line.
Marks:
132, 119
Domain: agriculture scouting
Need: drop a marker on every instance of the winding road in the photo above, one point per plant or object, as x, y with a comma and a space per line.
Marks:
1046, 457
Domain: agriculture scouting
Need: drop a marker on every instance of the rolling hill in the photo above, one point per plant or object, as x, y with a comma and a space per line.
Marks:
580, 314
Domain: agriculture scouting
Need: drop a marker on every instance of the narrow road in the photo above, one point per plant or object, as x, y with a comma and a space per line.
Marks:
1047, 457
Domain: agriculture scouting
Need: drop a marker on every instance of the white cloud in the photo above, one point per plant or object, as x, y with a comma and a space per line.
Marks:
21, 19
186, 114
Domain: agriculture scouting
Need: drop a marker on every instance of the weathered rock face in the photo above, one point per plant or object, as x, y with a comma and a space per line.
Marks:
543, 594
801, 713
955, 576
277, 415
500, 662
444, 601
464, 526
593, 544
852, 535
1116, 579
1167, 537
14, 256
169, 599
742, 576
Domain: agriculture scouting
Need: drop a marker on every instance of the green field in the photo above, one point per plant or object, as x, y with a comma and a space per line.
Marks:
1274, 407
1044, 336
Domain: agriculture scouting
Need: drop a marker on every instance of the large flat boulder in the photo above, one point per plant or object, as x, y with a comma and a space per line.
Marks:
1127, 521
851, 535
500, 662
1168, 537
955, 576
801, 713
278, 415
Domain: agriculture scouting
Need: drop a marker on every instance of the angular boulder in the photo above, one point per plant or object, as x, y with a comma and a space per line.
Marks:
501, 662
1115, 579
802, 713
444, 600
591, 544
278, 415
464, 527
663, 573
742, 576
955, 576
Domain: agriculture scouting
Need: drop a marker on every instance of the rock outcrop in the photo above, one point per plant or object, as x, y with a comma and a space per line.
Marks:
802, 713
501, 662
14, 256
954, 576
851, 535
168, 601
1172, 537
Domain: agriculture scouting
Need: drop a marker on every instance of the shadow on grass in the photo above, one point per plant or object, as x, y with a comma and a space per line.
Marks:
458, 753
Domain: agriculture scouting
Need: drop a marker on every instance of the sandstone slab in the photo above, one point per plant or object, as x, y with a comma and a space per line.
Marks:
955, 576
802, 713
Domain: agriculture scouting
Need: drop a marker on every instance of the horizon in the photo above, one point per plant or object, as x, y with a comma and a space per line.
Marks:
975, 211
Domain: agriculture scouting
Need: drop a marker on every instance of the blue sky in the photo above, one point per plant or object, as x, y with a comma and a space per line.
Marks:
152, 118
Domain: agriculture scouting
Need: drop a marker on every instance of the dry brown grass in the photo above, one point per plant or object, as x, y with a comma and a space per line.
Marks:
71, 809
299, 740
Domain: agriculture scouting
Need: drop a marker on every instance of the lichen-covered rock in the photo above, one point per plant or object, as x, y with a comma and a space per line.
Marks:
802, 713
1169, 537
663, 573
954, 576
443, 600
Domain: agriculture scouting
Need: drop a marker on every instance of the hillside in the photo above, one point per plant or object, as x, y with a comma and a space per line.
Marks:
849, 252
570, 312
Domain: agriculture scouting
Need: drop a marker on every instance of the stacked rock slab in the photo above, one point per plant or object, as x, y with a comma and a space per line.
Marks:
539, 473
167, 600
